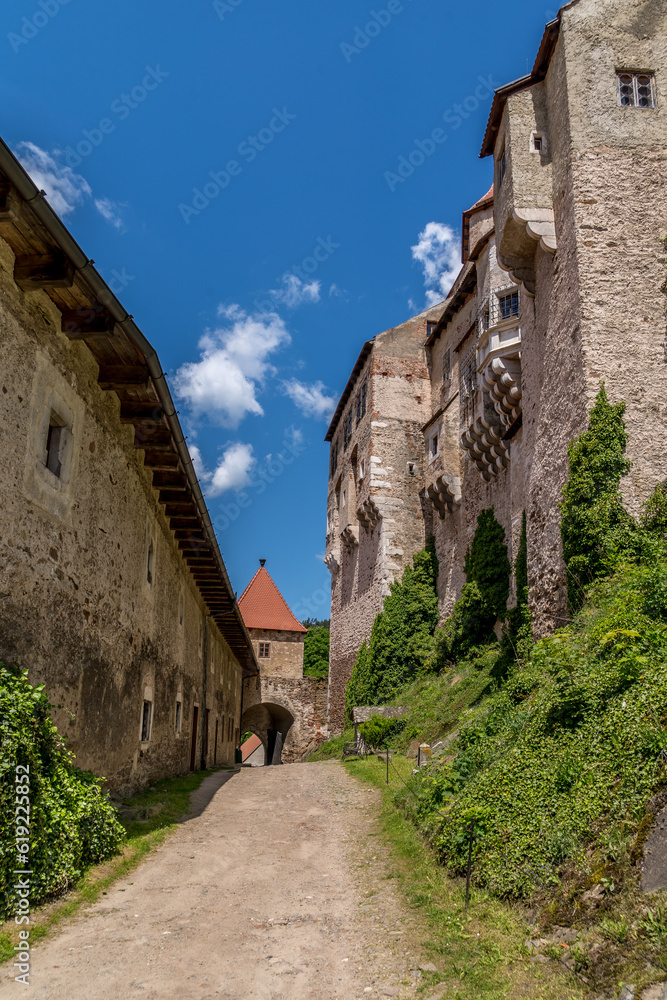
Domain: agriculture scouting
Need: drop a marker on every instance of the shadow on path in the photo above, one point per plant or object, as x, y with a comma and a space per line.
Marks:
201, 797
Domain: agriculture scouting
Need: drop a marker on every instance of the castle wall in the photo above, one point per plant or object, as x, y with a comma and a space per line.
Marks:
76, 606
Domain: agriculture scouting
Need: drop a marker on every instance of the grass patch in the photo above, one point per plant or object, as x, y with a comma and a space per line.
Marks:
482, 952
143, 836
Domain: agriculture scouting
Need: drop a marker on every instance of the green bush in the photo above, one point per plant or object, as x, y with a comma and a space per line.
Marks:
316, 652
596, 529
469, 626
517, 636
379, 732
72, 824
401, 636
486, 563
567, 746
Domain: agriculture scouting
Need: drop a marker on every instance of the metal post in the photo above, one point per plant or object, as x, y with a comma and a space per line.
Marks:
419, 756
472, 830
387, 765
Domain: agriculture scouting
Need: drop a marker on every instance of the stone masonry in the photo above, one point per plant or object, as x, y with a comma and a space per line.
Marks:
562, 287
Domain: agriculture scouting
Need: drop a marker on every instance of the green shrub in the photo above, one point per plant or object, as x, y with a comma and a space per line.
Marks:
469, 626
72, 824
401, 636
487, 565
596, 529
316, 652
379, 732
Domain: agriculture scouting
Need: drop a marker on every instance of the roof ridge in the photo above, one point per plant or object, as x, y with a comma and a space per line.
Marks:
265, 607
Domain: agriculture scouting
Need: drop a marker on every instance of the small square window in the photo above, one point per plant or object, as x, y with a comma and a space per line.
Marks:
264, 650
56, 442
412, 468
636, 90
508, 305
146, 719
538, 143
434, 446
430, 327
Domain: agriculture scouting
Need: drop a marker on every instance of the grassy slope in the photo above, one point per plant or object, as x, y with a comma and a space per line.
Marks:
557, 767
143, 836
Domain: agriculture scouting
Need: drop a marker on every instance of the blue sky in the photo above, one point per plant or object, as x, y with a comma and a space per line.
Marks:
233, 168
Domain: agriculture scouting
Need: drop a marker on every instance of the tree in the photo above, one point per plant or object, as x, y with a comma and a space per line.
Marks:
316, 651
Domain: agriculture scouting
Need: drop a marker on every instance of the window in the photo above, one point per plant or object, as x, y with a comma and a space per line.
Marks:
146, 719
361, 401
347, 429
501, 166
264, 650
430, 327
411, 468
179, 717
433, 446
447, 366
362, 468
636, 90
56, 442
468, 376
150, 563
334, 458
508, 305
538, 143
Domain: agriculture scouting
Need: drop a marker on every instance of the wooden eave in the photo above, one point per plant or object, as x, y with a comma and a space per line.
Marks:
47, 258
538, 73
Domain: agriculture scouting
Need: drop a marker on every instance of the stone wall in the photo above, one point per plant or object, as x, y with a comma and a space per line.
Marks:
76, 606
295, 708
285, 652
376, 522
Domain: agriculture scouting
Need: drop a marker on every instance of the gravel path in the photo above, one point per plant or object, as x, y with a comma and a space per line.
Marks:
275, 889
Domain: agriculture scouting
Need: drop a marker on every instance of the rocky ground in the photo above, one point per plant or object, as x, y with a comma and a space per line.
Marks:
274, 889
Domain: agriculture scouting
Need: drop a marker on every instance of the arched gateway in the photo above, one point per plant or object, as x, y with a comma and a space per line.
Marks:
286, 710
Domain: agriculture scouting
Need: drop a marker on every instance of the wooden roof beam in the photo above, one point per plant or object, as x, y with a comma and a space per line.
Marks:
43, 270
87, 321
123, 377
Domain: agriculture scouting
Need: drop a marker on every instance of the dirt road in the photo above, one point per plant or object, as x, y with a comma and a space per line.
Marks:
276, 890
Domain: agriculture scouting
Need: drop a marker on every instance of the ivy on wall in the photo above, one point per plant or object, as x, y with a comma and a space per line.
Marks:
595, 527
401, 635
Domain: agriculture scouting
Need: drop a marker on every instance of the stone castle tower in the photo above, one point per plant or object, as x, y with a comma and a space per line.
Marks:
562, 286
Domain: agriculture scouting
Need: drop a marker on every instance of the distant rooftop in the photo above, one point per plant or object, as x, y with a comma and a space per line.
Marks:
263, 606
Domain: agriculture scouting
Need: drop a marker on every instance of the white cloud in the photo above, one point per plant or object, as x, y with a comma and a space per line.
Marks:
439, 253
64, 189
311, 399
110, 211
335, 291
223, 384
294, 292
233, 470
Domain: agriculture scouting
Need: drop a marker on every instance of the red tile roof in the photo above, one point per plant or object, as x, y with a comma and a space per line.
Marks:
263, 606
250, 746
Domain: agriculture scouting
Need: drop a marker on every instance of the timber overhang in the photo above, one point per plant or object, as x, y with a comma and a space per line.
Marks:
48, 258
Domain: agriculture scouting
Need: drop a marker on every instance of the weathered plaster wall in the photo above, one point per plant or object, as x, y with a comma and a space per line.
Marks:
75, 604
286, 652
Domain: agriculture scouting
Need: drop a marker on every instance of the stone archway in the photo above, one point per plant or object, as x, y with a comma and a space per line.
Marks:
272, 723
